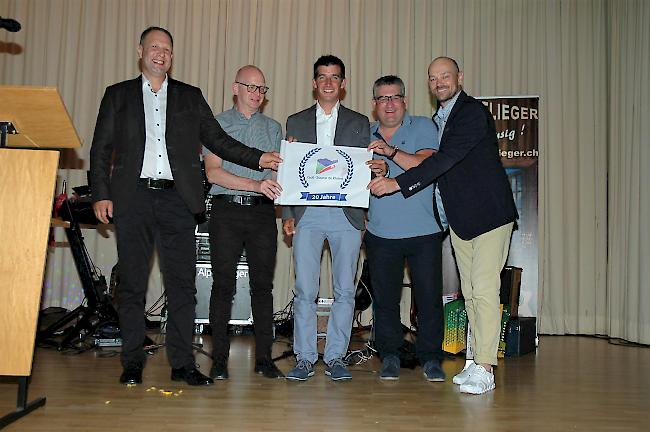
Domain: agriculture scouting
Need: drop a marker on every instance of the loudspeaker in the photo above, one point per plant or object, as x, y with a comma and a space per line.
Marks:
323, 311
520, 336
242, 313
510, 285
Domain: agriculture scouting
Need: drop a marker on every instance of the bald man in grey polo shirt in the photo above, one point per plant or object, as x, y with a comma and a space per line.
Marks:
243, 216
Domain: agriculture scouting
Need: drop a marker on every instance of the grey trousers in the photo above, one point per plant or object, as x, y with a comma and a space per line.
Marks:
315, 226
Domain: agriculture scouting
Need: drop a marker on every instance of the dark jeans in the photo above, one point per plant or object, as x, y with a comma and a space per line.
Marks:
232, 228
163, 218
386, 266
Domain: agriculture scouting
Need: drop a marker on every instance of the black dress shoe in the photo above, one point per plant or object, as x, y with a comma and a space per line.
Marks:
267, 368
219, 370
191, 375
131, 375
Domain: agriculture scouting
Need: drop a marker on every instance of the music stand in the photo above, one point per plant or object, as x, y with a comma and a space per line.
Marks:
27, 180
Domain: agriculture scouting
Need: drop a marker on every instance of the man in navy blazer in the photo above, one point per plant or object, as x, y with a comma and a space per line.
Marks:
479, 206
145, 174
326, 123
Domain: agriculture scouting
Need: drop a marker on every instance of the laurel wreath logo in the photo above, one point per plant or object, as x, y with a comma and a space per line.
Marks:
310, 153
303, 162
348, 177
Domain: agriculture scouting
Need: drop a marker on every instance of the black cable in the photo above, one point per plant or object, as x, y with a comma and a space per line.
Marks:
618, 341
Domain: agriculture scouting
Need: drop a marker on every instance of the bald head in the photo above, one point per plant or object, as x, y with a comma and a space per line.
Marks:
442, 60
247, 71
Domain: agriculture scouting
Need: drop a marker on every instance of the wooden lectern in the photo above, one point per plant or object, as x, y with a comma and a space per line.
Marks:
35, 118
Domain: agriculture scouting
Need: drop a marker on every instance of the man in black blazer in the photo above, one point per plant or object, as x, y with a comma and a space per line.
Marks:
479, 206
326, 123
145, 174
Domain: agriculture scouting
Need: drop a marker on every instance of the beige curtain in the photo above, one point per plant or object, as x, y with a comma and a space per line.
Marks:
559, 50
573, 192
628, 278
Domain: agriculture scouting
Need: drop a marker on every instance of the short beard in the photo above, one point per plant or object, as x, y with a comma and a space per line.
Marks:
451, 96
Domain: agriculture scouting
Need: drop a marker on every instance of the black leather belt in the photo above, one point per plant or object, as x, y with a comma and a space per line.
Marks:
247, 200
157, 184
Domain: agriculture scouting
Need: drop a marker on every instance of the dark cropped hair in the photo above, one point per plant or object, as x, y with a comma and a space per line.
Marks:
388, 80
150, 29
329, 60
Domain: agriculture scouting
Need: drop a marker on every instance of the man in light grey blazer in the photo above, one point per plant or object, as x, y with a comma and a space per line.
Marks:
326, 123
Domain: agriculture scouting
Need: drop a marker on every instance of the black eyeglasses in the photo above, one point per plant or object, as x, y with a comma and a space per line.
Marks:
386, 99
252, 88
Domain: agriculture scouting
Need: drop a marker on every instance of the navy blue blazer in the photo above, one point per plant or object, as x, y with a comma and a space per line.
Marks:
117, 151
473, 183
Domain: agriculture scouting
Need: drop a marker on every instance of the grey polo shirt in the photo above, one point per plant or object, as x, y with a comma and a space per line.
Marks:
260, 132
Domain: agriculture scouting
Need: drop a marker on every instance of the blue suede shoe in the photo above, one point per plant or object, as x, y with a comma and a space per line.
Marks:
302, 372
337, 370
390, 368
433, 372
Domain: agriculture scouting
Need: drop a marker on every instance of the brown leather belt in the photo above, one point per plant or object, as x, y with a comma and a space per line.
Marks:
157, 184
247, 200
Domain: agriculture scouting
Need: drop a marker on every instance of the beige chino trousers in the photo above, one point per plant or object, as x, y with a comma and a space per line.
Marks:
480, 261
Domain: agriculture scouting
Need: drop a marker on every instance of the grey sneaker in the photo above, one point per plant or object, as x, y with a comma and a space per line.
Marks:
337, 370
302, 372
390, 368
433, 371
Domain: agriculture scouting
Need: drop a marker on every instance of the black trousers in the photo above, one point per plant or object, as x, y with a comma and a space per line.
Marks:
386, 265
234, 227
162, 218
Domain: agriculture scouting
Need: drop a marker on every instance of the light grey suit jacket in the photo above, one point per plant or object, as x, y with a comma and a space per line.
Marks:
352, 130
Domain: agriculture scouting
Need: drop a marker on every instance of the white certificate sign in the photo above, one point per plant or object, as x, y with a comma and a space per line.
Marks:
334, 176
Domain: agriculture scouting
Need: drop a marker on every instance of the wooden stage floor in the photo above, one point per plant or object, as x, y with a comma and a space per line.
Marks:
570, 384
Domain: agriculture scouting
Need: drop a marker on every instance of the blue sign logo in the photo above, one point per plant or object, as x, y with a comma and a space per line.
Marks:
322, 166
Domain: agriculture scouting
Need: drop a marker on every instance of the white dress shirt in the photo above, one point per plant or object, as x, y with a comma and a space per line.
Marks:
326, 125
156, 162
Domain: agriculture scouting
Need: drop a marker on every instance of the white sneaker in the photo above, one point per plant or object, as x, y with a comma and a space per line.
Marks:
480, 381
463, 375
